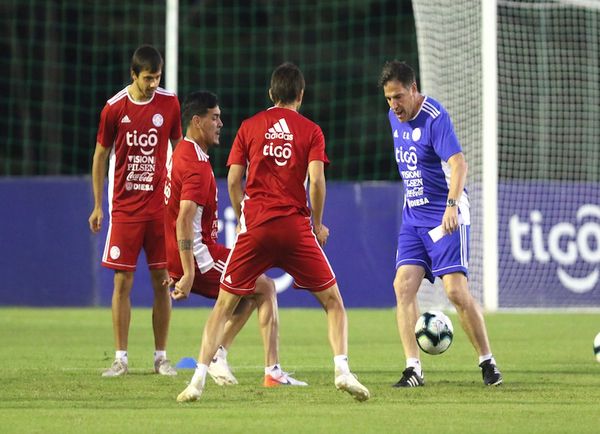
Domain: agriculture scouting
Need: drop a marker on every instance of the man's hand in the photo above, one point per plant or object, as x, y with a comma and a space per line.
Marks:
182, 288
450, 219
95, 220
322, 233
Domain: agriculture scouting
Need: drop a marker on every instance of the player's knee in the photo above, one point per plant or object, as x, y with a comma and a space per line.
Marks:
459, 297
331, 299
265, 285
226, 303
159, 279
123, 283
405, 288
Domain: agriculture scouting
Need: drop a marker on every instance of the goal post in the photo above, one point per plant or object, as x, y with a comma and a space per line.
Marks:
171, 44
489, 151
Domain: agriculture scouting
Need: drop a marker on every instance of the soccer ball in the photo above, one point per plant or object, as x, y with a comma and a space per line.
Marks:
597, 347
434, 332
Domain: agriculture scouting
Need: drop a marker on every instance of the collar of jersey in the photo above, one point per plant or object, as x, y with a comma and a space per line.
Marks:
198, 147
138, 102
420, 108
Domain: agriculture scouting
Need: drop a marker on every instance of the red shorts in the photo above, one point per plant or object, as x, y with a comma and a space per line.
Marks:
125, 240
287, 243
207, 284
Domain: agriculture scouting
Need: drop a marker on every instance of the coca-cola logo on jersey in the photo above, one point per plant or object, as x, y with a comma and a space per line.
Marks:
145, 141
140, 177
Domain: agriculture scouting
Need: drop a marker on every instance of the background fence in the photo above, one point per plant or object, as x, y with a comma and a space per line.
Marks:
65, 59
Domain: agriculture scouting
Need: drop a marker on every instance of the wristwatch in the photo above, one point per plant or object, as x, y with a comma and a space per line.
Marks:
451, 202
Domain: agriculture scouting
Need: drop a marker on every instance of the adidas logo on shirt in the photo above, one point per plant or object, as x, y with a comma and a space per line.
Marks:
279, 130
228, 279
125, 120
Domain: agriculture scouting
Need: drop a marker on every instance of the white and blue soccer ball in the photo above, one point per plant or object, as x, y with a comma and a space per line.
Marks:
434, 332
597, 347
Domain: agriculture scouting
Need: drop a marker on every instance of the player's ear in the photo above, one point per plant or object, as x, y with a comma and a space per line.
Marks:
271, 96
133, 76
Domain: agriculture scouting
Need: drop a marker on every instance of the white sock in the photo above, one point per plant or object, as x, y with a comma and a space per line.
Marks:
487, 357
273, 370
122, 355
341, 364
221, 353
160, 355
199, 377
413, 362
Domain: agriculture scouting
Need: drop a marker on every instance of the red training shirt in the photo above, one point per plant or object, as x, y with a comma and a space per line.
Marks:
276, 145
139, 134
190, 177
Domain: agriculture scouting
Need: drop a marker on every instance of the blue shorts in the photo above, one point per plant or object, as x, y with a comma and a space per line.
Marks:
450, 254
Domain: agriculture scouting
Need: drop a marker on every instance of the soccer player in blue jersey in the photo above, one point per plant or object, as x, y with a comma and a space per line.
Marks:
434, 235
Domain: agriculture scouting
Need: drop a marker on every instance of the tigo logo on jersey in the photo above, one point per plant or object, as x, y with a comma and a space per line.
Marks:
143, 140
279, 130
408, 157
282, 153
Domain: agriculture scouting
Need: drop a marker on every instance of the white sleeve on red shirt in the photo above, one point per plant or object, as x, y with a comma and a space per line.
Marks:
203, 258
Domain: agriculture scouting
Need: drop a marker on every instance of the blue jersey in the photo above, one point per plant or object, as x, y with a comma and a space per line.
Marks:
422, 148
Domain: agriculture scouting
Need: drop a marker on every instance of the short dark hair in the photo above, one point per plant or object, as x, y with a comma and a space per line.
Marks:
399, 71
197, 103
287, 82
146, 58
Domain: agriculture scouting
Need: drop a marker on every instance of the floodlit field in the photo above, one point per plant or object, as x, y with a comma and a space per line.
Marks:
52, 359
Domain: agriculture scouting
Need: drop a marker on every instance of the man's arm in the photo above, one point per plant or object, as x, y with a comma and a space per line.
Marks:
235, 187
98, 173
317, 191
185, 242
458, 177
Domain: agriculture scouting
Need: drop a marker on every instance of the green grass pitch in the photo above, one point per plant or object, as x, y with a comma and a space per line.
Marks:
52, 359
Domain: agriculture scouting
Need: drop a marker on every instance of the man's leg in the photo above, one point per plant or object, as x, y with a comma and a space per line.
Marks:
337, 323
161, 318
265, 297
471, 319
121, 317
264, 300
212, 336
406, 285
219, 369
468, 310
238, 320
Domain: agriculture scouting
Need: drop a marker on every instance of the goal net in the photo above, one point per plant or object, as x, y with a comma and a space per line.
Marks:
548, 111
449, 41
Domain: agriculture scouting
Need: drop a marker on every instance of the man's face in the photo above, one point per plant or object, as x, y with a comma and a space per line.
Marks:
210, 126
146, 82
403, 101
